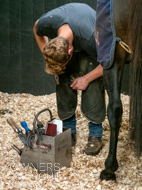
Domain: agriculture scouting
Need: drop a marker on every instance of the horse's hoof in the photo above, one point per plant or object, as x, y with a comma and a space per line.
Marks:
107, 176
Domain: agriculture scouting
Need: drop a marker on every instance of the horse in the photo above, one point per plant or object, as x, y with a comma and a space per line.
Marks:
128, 27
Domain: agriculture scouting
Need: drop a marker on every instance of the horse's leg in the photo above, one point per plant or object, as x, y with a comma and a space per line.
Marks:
112, 79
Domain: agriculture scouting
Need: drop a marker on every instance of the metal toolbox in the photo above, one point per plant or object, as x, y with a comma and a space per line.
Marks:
46, 153
50, 160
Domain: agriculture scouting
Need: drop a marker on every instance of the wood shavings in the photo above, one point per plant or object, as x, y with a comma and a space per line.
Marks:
84, 171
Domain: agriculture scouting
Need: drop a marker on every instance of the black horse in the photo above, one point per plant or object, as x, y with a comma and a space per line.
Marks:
128, 25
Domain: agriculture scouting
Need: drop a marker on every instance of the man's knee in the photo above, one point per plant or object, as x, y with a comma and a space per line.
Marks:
66, 98
93, 98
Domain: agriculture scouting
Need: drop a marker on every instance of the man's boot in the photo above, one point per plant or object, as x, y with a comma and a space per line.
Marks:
93, 146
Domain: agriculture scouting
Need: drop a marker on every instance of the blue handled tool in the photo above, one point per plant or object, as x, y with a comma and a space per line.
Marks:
29, 134
27, 138
25, 126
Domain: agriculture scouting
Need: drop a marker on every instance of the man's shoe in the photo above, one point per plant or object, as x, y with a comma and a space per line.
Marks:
94, 146
73, 139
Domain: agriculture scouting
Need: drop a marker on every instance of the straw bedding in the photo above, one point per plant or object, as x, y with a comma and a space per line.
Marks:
84, 171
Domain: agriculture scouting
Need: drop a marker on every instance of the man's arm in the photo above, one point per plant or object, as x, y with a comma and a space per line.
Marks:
81, 83
41, 40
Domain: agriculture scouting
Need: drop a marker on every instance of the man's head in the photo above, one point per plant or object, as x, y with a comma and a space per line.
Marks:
56, 55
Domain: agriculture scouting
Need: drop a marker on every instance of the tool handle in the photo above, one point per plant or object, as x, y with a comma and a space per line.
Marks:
10, 122
13, 122
36, 117
17, 149
25, 126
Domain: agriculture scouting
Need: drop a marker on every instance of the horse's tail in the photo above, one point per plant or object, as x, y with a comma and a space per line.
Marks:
135, 28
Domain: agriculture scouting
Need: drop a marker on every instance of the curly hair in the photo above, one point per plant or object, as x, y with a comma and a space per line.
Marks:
56, 55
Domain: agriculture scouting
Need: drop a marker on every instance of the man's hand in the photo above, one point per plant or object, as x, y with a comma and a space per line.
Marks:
80, 83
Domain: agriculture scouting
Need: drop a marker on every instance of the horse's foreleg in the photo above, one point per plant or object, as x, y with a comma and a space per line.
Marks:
112, 79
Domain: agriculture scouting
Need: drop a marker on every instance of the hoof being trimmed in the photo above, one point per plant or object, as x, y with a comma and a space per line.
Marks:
107, 176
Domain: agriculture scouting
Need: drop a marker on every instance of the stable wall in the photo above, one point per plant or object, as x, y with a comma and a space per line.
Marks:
21, 63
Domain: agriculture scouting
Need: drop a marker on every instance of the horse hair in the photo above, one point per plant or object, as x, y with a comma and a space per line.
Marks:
135, 34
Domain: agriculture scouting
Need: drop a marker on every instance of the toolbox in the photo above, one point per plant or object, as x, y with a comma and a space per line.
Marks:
43, 152
50, 160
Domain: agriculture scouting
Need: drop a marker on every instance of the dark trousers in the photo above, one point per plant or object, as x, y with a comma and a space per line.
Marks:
92, 99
